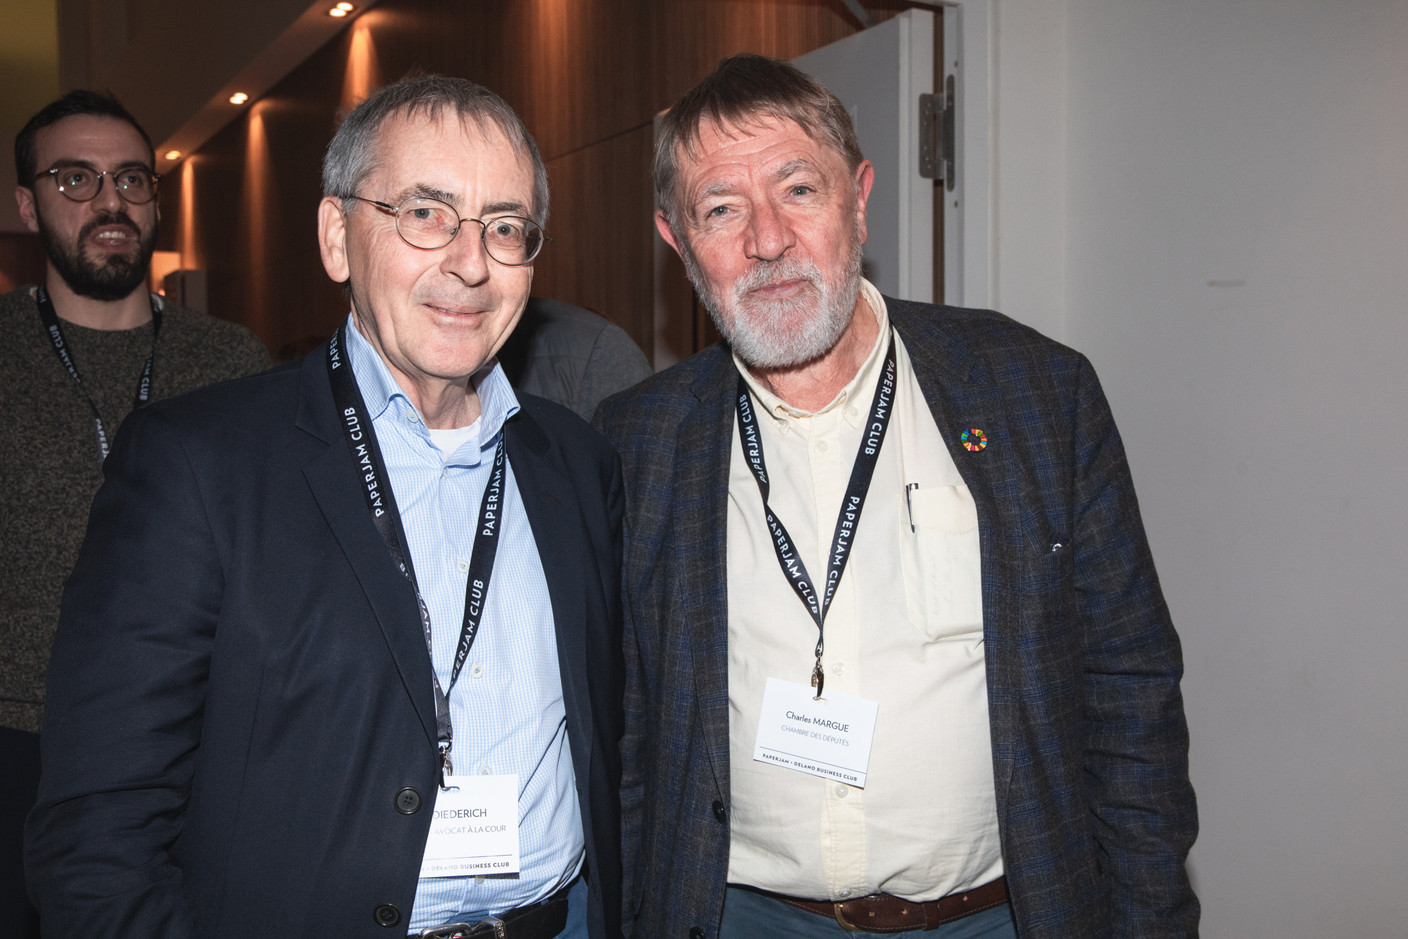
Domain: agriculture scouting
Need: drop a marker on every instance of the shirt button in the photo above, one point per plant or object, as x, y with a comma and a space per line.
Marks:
841, 790
844, 892
851, 413
485, 770
821, 446
476, 670
838, 668
462, 564
480, 879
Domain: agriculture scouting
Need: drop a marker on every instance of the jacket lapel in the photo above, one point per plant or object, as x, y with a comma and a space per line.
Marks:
700, 513
551, 504
963, 395
335, 486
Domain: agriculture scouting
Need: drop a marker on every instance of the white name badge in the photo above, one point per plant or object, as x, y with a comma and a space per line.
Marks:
474, 829
830, 738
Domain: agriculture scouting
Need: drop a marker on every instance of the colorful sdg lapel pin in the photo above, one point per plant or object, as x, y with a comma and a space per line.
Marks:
974, 439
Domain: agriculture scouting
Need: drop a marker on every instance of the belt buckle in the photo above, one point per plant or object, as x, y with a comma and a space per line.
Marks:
840, 915
490, 927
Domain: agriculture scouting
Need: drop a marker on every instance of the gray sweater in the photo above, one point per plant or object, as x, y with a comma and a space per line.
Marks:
49, 466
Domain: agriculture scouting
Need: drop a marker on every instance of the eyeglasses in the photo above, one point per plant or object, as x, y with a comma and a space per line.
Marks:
136, 184
429, 223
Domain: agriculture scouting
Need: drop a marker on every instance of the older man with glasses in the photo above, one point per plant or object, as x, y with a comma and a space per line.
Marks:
344, 639
79, 352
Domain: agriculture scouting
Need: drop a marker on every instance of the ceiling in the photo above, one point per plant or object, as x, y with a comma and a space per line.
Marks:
173, 63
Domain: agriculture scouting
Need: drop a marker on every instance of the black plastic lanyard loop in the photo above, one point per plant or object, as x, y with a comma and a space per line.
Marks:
861, 472
55, 331
381, 503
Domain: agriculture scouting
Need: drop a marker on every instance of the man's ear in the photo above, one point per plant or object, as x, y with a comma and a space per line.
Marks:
865, 180
332, 238
24, 197
662, 225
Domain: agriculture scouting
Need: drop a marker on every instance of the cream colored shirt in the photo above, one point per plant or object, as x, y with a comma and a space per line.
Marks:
905, 630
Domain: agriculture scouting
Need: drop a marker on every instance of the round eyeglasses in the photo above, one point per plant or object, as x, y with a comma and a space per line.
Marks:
136, 184
429, 223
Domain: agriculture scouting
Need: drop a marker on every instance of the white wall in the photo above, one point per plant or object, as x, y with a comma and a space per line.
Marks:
1210, 199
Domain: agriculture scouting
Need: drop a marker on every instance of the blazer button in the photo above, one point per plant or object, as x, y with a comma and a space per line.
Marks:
719, 812
386, 915
696, 932
408, 801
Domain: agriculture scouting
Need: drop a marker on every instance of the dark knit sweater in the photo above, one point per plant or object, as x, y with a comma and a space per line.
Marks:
49, 466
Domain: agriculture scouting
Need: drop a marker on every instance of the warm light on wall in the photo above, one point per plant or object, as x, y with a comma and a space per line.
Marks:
172, 155
363, 71
257, 216
162, 263
239, 97
190, 258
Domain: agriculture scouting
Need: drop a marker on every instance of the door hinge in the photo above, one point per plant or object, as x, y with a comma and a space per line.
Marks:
936, 135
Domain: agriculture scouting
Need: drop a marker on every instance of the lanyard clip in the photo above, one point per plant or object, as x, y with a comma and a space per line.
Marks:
447, 769
818, 679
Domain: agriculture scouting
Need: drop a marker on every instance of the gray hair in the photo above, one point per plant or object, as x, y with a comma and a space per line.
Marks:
351, 157
742, 89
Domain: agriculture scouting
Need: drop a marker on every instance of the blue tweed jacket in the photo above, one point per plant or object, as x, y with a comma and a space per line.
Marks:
1089, 743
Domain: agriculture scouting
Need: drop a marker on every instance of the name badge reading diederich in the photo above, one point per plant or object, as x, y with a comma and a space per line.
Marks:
830, 737
474, 829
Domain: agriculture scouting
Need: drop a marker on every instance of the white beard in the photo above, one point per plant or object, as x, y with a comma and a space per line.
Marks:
783, 333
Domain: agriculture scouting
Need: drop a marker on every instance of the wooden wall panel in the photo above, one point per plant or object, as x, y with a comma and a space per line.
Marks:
601, 221
689, 37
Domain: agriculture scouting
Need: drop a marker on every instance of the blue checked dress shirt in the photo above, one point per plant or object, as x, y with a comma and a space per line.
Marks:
506, 707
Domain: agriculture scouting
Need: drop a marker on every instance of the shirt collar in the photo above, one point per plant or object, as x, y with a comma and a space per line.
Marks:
497, 402
859, 388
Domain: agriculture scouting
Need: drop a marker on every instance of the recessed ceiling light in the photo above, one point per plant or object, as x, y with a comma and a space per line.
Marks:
346, 7
336, 12
239, 97
172, 154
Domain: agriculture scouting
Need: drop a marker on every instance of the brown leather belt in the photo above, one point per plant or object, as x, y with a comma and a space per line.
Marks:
881, 912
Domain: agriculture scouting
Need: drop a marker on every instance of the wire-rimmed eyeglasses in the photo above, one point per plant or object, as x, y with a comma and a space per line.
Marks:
511, 240
136, 184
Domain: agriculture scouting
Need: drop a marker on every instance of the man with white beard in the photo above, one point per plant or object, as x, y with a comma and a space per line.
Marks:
897, 657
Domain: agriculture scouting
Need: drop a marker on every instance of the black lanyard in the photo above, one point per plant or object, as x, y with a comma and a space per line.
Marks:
50, 319
849, 517
381, 503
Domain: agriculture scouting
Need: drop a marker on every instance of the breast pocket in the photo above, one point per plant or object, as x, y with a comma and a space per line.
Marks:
941, 562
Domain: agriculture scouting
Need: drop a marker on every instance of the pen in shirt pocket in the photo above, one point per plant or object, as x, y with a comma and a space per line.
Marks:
909, 504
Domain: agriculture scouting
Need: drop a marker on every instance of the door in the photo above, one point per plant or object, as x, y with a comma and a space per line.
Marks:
879, 74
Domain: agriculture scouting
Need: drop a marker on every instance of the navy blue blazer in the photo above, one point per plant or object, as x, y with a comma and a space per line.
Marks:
240, 736
1089, 742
